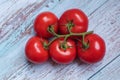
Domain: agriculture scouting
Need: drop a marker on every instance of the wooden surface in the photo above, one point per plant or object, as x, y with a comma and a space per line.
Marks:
16, 27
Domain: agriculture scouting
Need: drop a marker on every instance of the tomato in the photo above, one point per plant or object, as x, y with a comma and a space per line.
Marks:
35, 51
95, 51
75, 19
61, 55
43, 21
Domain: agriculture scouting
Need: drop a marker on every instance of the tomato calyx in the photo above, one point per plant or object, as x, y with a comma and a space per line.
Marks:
69, 25
85, 45
50, 29
45, 45
63, 46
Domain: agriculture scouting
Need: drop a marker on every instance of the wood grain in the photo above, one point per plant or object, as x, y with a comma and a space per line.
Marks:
110, 72
16, 27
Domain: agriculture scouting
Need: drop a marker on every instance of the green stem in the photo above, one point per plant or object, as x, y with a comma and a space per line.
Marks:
85, 45
65, 39
71, 34
69, 25
64, 46
51, 30
75, 34
69, 29
45, 45
53, 39
81, 34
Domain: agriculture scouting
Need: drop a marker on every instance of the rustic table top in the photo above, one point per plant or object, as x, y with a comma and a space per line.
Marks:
16, 27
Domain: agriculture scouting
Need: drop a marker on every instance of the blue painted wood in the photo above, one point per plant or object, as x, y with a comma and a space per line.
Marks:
16, 27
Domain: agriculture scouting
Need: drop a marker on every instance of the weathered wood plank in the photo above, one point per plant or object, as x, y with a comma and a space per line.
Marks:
21, 60
110, 72
11, 31
45, 73
10, 23
17, 68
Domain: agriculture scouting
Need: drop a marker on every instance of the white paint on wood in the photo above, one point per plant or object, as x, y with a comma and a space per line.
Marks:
110, 72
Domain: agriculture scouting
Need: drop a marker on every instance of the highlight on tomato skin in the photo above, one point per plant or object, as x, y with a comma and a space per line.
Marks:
35, 51
43, 21
96, 50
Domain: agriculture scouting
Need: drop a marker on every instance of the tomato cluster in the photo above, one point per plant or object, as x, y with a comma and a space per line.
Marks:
64, 39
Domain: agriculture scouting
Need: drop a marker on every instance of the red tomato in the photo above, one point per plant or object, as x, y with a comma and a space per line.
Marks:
35, 51
59, 55
43, 21
75, 19
96, 50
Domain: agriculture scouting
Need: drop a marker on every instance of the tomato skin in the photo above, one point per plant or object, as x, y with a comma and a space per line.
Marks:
43, 21
79, 19
34, 50
96, 50
62, 56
